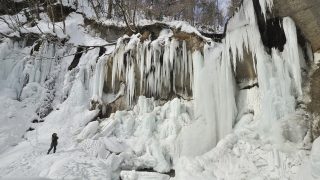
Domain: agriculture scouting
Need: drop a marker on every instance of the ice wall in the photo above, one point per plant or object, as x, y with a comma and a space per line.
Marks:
40, 70
214, 92
278, 73
167, 67
19, 67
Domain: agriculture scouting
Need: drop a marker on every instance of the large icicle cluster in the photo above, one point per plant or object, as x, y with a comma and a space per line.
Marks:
98, 79
152, 68
161, 66
278, 74
266, 5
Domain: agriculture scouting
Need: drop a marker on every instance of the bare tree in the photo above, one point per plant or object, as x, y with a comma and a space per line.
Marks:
13, 22
158, 9
196, 12
207, 13
110, 4
128, 15
50, 9
188, 11
233, 6
63, 17
95, 8
34, 6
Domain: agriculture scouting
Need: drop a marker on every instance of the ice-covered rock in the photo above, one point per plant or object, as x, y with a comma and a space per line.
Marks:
89, 130
136, 175
315, 159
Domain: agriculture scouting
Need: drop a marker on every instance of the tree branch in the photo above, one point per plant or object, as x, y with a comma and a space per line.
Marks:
120, 5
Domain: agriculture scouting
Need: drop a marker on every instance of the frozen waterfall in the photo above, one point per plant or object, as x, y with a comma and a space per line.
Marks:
167, 66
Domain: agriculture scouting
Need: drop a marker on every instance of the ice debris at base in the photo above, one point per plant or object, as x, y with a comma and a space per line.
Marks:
148, 137
136, 175
310, 168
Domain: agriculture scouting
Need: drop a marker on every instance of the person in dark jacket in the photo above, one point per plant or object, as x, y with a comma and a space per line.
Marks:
54, 143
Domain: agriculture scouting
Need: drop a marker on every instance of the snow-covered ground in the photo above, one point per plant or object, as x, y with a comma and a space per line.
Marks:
222, 133
150, 136
144, 138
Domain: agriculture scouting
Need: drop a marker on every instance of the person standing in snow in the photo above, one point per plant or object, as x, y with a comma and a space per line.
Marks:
54, 143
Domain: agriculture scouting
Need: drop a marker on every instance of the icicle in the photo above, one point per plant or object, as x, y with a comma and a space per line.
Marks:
98, 80
173, 51
310, 53
184, 70
130, 82
142, 70
265, 5
190, 68
114, 71
166, 65
120, 60
156, 64
291, 52
101, 64
173, 56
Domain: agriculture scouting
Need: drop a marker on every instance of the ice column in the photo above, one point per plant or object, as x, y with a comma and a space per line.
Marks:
214, 92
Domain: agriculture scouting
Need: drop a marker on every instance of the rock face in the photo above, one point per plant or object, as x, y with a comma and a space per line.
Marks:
306, 15
314, 105
245, 69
